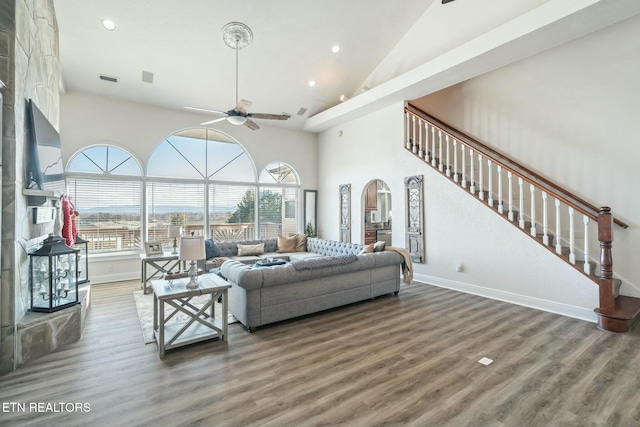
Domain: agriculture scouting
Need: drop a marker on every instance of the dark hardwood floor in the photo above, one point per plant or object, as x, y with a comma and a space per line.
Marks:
400, 360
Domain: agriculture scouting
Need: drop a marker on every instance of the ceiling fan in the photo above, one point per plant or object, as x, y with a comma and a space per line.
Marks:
237, 36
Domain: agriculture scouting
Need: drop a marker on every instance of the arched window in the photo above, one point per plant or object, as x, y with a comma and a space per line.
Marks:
105, 185
278, 201
203, 180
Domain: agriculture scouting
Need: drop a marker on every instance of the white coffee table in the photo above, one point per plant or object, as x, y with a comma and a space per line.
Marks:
201, 324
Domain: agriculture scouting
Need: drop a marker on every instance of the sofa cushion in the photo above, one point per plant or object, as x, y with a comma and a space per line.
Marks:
293, 256
323, 262
367, 249
379, 246
287, 244
245, 250
301, 242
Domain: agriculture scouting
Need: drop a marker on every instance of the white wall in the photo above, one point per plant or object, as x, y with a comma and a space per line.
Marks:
568, 113
499, 261
138, 128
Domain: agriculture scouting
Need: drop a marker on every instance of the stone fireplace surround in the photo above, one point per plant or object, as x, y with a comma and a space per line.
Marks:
30, 69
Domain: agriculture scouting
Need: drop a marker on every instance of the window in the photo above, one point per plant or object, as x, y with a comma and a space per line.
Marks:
199, 178
232, 213
105, 185
174, 203
278, 202
201, 162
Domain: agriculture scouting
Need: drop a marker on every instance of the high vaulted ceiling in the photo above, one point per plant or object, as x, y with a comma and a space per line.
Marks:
400, 50
180, 43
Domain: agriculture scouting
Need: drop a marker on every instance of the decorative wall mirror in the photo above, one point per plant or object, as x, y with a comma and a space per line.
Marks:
415, 217
345, 213
310, 213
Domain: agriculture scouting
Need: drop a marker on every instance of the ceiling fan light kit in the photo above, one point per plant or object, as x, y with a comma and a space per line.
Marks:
237, 35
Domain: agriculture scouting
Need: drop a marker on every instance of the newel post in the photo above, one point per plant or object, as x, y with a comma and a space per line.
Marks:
605, 236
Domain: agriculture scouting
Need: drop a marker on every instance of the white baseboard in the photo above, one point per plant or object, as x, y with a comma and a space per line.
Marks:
523, 300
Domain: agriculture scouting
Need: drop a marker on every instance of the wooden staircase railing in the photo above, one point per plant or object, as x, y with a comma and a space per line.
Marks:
535, 205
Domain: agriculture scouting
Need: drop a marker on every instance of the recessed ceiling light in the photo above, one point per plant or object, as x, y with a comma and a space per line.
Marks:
312, 83
335, 49
343, 98
108, 24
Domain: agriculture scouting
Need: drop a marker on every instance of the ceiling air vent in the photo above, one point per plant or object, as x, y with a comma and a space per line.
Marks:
301, 111
108, 78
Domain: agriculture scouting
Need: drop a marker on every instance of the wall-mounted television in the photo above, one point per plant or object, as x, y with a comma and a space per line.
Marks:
45, 169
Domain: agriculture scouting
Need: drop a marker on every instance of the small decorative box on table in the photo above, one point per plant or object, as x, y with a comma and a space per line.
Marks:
201, 324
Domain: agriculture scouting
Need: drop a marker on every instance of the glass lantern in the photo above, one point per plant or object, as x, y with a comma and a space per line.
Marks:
53, 275
83, 260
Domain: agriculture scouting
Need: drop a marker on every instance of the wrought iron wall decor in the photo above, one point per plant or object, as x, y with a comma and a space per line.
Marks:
415, 217
345, 213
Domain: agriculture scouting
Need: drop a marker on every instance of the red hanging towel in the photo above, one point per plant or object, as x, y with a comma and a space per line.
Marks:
68, 221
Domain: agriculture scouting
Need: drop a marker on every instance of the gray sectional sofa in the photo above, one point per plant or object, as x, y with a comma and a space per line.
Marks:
327, 274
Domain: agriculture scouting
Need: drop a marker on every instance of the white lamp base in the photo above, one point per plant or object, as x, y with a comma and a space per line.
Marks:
193, 276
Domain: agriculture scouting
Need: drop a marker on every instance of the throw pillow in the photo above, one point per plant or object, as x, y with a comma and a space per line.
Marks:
286, 244
301, 242
379, 246
210, 248
366, 250
246, 250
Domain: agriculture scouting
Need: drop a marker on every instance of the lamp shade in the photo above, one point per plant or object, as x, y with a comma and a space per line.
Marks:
191, 248
175, 231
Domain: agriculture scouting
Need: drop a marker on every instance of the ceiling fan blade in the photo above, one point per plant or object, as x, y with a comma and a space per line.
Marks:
269, 116
205, 110
243, 106
213, 121
251, 124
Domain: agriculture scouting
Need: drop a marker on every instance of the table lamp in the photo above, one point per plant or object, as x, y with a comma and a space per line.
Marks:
192, 249
175, 231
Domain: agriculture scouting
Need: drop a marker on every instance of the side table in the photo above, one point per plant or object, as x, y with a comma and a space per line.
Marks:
201, 324
161, 264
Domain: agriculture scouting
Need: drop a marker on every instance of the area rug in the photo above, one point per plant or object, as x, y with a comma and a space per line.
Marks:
144, 304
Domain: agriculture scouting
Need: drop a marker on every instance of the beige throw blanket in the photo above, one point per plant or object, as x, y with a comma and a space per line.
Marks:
407, 265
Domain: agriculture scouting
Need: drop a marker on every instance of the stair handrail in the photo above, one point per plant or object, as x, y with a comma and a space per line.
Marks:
526, 174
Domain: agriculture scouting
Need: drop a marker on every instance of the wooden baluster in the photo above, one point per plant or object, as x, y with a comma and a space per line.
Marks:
472, 184
586, 267
440, 166
480, 178
500, 198
545, 219
490, 169
448, 157
464, 166
415, 146
433, 147
456, 178
510, 181
572, 237
521, 207
558, 241
420, 141
534, 231
605, 236
408, 130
